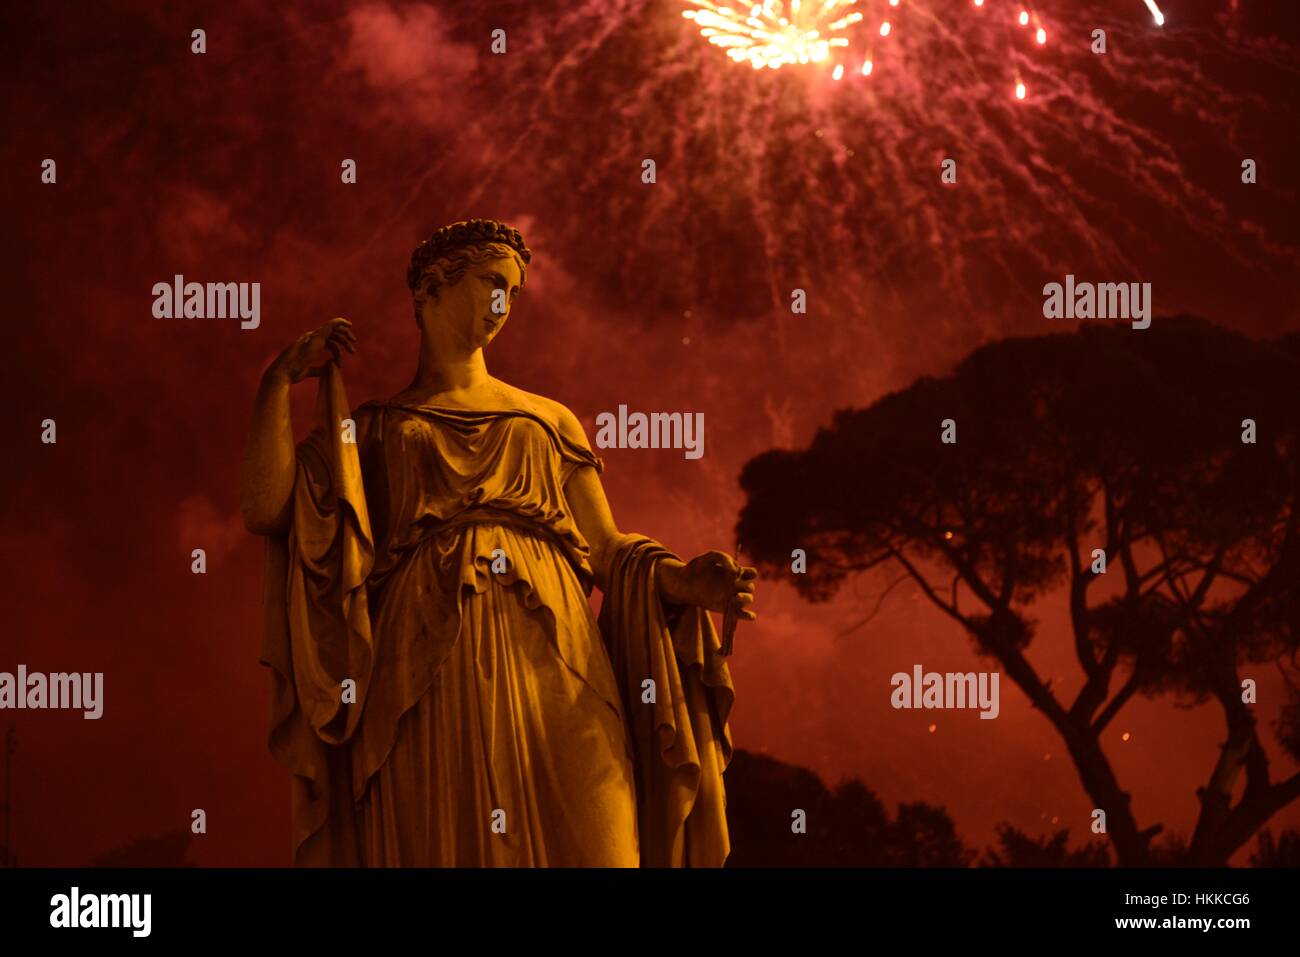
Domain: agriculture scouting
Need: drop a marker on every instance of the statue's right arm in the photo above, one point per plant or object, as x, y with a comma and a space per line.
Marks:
270, 464
266, 480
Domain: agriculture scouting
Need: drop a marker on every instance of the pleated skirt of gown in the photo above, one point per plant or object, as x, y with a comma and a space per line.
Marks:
510, 758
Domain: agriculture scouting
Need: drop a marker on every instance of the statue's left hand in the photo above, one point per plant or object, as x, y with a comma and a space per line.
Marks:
709, 581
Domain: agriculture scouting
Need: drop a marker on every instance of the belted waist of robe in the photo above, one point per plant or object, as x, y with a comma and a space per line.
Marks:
487, 515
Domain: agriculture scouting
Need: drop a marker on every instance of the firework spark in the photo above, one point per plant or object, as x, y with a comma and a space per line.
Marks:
772, 33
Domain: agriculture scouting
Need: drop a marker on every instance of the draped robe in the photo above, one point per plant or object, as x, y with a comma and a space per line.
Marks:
441, 690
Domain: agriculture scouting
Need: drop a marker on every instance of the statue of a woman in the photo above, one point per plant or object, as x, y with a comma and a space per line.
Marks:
443, 693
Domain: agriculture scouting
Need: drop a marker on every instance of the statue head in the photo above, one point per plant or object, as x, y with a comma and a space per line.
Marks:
464, 279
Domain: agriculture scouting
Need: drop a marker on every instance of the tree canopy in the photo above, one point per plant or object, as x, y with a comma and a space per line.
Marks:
1166, 457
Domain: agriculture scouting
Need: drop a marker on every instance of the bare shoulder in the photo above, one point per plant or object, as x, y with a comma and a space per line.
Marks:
554, 412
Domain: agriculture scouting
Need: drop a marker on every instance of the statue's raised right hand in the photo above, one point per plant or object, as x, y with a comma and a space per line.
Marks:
311, 353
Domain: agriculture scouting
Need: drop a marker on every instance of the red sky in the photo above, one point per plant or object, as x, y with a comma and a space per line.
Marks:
671, 296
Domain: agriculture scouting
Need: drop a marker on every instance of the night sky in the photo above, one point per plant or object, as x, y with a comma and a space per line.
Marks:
671, 296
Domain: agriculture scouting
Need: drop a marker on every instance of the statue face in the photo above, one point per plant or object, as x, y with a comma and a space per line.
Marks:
464, 313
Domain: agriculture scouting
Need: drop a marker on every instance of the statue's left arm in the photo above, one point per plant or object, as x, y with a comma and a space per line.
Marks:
708, 581
676, 689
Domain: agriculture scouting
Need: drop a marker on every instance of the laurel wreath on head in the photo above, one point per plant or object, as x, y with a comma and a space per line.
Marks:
470, 232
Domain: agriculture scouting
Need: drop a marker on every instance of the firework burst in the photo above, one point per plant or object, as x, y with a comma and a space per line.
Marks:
772, 34
1110, 164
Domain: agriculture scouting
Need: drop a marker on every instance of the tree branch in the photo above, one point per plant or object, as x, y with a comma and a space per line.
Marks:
1116, 703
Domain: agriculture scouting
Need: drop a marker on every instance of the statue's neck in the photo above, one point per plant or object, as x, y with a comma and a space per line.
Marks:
442, 373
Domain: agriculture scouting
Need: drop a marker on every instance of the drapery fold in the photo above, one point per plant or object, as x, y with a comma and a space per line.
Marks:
678, 725
317, 631
318, 635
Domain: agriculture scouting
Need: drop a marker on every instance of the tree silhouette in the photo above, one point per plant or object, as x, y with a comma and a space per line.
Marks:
1107, 438
846, 827
1017, 849
1284, 852
849, 827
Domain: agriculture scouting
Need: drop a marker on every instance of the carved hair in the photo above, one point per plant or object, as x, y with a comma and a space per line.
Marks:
443, 258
